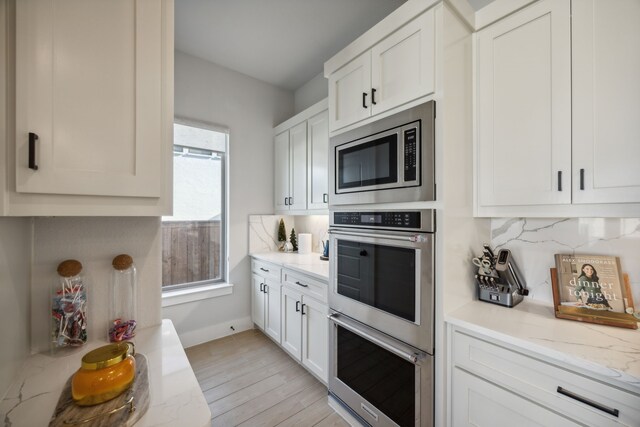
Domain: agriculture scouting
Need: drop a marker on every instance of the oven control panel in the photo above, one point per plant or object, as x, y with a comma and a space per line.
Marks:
410, 154
386, 219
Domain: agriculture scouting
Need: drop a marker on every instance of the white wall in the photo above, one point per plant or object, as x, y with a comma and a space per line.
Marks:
315, 90
95, 242
250, 109
15, 258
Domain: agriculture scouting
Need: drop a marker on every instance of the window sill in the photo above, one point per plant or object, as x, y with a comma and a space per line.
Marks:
183, 296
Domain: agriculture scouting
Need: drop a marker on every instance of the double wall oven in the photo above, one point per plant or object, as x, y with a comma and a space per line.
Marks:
381, 289
381, 295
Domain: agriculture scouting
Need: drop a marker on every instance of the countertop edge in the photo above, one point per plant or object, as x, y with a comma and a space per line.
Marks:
299, 267
565, 360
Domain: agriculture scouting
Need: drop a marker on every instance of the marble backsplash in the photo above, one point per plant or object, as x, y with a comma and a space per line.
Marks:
535, 241
263, 230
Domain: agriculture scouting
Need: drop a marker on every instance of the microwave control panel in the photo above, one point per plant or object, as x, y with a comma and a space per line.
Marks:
410, 154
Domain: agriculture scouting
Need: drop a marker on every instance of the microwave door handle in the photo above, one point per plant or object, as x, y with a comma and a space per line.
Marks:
413, 358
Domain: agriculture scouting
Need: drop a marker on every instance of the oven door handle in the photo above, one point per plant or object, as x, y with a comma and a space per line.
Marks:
418, 237
414, 358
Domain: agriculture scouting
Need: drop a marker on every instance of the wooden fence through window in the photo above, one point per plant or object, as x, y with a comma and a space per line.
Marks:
190, 251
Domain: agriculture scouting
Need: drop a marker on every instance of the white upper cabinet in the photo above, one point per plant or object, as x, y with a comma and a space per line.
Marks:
349, 91
318, 161
88, 84
301, 162
606, 101
403, 66
557, 111
523, 107
398, 67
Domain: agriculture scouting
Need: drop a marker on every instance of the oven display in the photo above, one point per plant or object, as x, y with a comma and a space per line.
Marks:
371, 219
400, 219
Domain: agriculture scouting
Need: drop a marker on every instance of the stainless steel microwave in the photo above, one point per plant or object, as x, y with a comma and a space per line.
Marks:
386, 161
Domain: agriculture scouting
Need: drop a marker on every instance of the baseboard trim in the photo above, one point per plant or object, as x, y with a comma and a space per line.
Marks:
213, 332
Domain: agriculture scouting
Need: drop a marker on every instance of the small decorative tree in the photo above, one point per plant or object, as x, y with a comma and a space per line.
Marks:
294, 240
282, 235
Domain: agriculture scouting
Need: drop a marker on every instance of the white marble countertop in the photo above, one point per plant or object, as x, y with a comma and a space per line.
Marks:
310, 264
176, 398
611, 354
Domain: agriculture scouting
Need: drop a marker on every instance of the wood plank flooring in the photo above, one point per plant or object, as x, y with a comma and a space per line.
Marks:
249, 381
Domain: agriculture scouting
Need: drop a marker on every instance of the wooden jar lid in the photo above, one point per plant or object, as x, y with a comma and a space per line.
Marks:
122, 262
69, 268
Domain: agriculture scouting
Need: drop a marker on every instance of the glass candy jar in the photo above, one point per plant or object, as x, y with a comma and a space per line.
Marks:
122, 304
69, 306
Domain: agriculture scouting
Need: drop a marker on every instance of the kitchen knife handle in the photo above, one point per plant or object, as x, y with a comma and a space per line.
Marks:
32, 151
592, 403
559, 180
364, 100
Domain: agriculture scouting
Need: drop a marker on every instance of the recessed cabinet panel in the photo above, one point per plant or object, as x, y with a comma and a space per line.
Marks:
349, 92
272, 310
257, 300
88, 84
606, 101
291, 322
403, 65
282, 171
315, 337
523, 108
298, 165
479, 403
318, 161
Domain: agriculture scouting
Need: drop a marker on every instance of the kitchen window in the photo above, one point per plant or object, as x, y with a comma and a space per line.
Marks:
194, 237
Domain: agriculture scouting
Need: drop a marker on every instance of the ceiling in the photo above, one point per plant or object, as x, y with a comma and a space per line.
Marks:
282, 42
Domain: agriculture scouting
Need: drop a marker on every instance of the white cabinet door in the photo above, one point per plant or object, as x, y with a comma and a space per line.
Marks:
291, 322
257, 300
89, 85
298, 167
403, 64
606, 101
315, 337
523, 107
479, 403
318, 161
272, 310
282, 173
349, 92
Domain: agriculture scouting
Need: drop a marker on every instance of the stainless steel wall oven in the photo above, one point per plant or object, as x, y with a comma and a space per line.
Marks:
381, 295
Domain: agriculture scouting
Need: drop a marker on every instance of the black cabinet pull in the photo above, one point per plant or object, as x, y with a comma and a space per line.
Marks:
559, 180
373, 96
582, 179
290, 201
303, 313
363, 253
264, 269
364, 100
261, 285
286, 201
297, 306
32, 151
265, 288
589, 402
302, 284
325, 198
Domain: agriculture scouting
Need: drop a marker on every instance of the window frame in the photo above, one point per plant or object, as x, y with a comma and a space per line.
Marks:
224, 249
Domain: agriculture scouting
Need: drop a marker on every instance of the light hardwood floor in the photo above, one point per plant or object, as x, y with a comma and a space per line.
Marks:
249, 381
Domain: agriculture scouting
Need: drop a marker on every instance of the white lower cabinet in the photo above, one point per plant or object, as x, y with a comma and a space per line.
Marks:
291, 308
498, 384
480, 403
305, 330
265, 298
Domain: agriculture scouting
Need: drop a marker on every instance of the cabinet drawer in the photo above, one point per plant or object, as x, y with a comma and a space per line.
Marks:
539, 381
306, 285
266, 269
